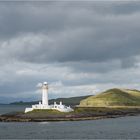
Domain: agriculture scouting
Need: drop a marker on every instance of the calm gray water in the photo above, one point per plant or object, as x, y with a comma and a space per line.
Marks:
119, 128
11, 108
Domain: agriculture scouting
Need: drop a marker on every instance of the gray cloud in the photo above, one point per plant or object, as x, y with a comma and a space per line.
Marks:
92, 44
74, 35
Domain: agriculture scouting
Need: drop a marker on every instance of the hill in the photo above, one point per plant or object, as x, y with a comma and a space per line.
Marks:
113, 97
67, 101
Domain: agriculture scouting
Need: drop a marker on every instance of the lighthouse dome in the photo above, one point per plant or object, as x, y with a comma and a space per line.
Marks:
45, 83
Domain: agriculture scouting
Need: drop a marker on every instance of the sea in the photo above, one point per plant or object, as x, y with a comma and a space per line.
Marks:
113, 128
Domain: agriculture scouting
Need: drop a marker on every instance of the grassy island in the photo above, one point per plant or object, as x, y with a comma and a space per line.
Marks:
79, 113
109, 104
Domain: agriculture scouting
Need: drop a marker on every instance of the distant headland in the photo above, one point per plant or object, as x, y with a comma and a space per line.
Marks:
72, 101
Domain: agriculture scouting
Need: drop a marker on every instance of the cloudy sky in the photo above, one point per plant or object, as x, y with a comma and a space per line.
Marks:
79, 48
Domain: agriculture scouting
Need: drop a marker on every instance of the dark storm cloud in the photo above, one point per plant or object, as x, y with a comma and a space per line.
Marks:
82, 43
78, 34
118, 8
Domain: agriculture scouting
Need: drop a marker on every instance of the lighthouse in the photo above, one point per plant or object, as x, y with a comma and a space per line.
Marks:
44, 104
45, 94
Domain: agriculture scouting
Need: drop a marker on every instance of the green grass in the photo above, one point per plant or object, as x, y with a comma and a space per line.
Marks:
46, 111
113, 97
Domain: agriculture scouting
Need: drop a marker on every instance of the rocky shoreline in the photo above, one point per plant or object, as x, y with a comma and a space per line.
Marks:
9, 119
80, 114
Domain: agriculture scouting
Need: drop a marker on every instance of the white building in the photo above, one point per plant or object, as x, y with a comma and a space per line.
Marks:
44, 104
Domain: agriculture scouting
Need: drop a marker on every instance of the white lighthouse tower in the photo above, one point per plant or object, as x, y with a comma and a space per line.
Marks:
45, 94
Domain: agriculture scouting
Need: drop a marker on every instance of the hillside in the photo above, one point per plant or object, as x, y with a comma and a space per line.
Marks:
113, 97
67, 101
